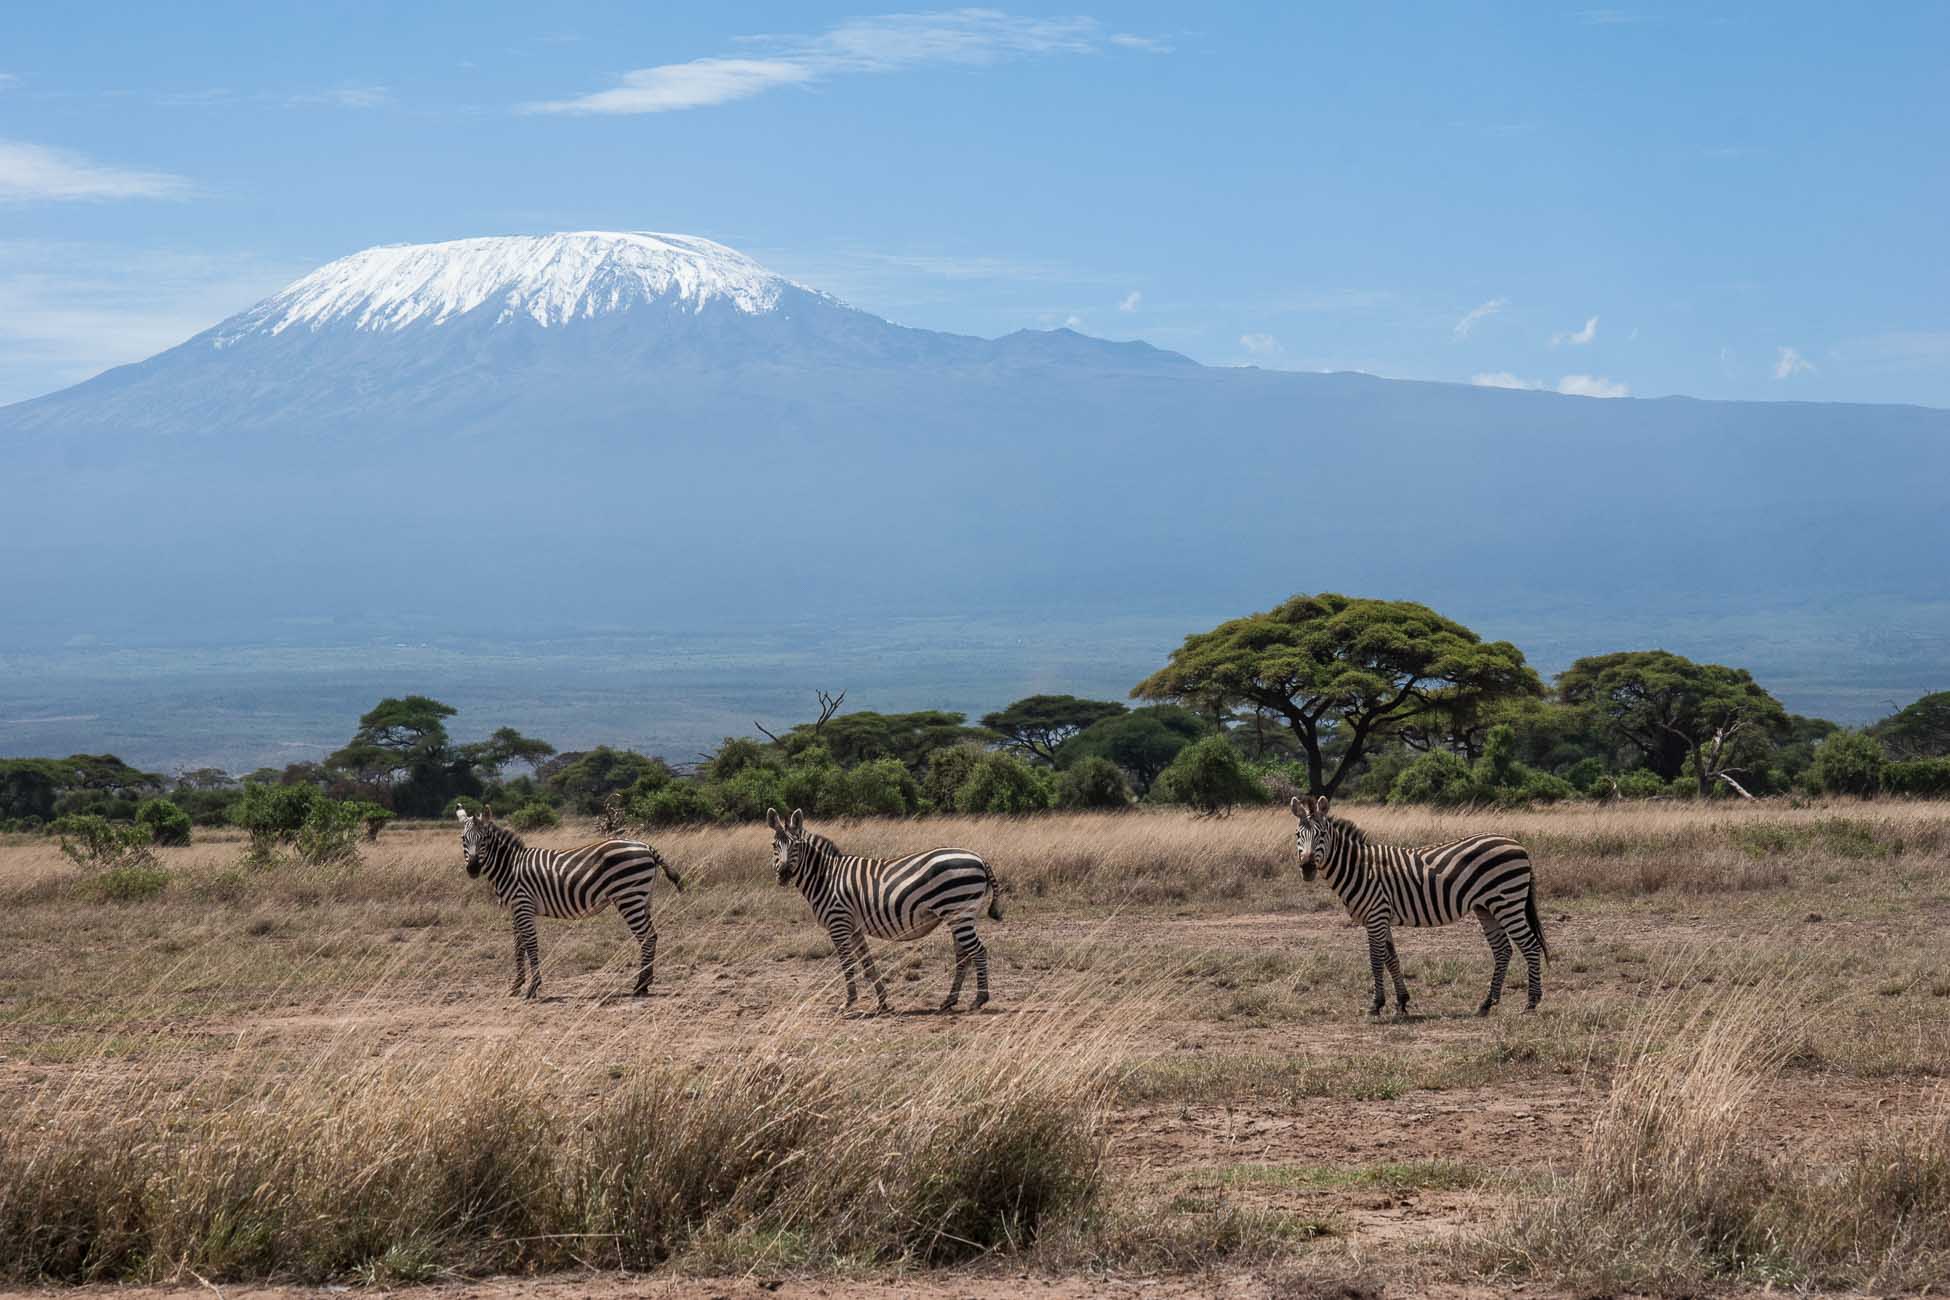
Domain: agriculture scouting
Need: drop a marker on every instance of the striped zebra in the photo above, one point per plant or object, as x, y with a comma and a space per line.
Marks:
896, 898
1384, 885
570, 882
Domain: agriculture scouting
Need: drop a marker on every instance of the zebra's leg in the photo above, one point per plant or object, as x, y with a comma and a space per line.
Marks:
969, 952
981, 973
1500, 952
1517, 926
843, 945
1378, 943
962, 954
531, 943
873, 972
522, 918
1395, 969
636, 915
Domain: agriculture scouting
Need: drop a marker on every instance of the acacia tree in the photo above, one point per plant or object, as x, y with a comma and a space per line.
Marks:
1343, 672
1039, 724
1922, 730
1670, 709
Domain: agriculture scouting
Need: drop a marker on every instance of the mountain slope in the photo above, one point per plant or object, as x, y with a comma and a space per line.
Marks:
645, 431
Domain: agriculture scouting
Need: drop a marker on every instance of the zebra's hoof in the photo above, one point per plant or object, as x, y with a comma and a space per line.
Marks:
979, 1003
1483, 1010
949, 1006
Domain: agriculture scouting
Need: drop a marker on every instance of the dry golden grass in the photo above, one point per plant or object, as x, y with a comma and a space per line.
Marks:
314, 1074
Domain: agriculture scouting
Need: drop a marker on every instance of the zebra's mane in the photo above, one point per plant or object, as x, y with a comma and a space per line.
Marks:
497, 834
1342, 826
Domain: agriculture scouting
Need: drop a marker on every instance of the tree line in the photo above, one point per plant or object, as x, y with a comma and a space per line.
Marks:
1356, 698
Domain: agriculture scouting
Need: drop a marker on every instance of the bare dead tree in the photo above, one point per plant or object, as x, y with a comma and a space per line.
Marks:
828, 706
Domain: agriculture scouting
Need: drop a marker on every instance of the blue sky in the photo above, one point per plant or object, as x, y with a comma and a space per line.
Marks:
1744, 203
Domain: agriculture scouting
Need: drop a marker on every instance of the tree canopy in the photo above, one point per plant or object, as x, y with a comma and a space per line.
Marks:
1671, 709
1142, 742
1038, 726
1922, 730
1342, 668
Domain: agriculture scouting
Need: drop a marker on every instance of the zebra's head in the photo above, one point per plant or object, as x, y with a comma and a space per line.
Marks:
788, 842
473, 837
1313, 836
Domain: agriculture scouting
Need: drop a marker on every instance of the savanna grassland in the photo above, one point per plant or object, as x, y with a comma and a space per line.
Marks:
295, 1075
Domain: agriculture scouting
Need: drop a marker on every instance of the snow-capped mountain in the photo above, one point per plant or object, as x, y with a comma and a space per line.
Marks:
546, 279
633, 427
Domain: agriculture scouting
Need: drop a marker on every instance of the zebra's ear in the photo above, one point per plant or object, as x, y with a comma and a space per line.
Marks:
798, 822
1320, 806
1295, 807
772, 819
462, 814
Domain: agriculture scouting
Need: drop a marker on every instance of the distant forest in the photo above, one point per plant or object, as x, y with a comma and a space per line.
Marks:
1361, 699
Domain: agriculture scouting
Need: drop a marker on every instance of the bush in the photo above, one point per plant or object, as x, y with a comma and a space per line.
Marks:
1640, 784
374, 817
536, 816
1848, 762
118, 862
675, 804
329, 836
167, 823
1209, 775
1092, 782
1542, 787
948, 770
744, 796
127, 884
1439, 778
882, 788
274, 813
1918, 778
1587, 777
1002, 784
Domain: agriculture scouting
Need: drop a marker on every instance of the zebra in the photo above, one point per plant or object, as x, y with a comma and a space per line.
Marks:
896, 898
1383, 884
569, 882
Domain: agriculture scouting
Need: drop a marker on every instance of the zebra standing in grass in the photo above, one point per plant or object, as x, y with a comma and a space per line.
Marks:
898, 898
571, 882
1384, 885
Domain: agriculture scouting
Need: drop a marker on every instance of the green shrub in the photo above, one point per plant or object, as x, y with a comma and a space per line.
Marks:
329, 835
374, 817
1439, 778
1209, 775
1640, 784
747, 793
274, 813
1002, 784
127, 884
1918, 778
167, 823
675, 804
1542, 787
536, 816
881, 788
948, 770
1587, 777
1092, 782
118, 862
1849, 763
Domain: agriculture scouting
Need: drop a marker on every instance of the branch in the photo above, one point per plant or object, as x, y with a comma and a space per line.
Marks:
828, 706
1738, 788
768, 735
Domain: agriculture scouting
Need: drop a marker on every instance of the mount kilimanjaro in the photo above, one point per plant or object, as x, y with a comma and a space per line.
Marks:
640, 430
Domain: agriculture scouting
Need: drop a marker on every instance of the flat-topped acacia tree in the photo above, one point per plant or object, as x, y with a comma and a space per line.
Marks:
1343, 672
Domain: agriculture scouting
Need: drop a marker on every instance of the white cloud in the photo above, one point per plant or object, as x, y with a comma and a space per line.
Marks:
1577, 338
1477, 315
1149, 44
888, 43
1260, 345
1592, 386
346, 97
8, 79
1131, 301
29, 172
1789, 362
1502, 379
1073, 322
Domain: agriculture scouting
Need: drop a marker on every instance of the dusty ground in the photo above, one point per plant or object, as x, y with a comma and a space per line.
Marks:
1255, 1077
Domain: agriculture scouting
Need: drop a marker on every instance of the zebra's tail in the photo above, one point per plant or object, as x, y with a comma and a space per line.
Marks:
675, 879
1536, 921
995, 892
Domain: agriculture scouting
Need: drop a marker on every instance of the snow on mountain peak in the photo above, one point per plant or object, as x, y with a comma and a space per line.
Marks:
550, 279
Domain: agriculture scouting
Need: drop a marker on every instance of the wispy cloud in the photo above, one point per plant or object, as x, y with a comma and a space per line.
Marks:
1592, 386
1788, 362
1260, 345
1131, 301
8, 79
1577, 338
344, 97
888, 43
1476, 315
1131, 41
30, 172
1502, 379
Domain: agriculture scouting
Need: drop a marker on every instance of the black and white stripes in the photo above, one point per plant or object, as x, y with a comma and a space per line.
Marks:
571, 883
1384, 885
898, 899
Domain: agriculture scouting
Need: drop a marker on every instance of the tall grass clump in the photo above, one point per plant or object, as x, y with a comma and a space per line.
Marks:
795, 1148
